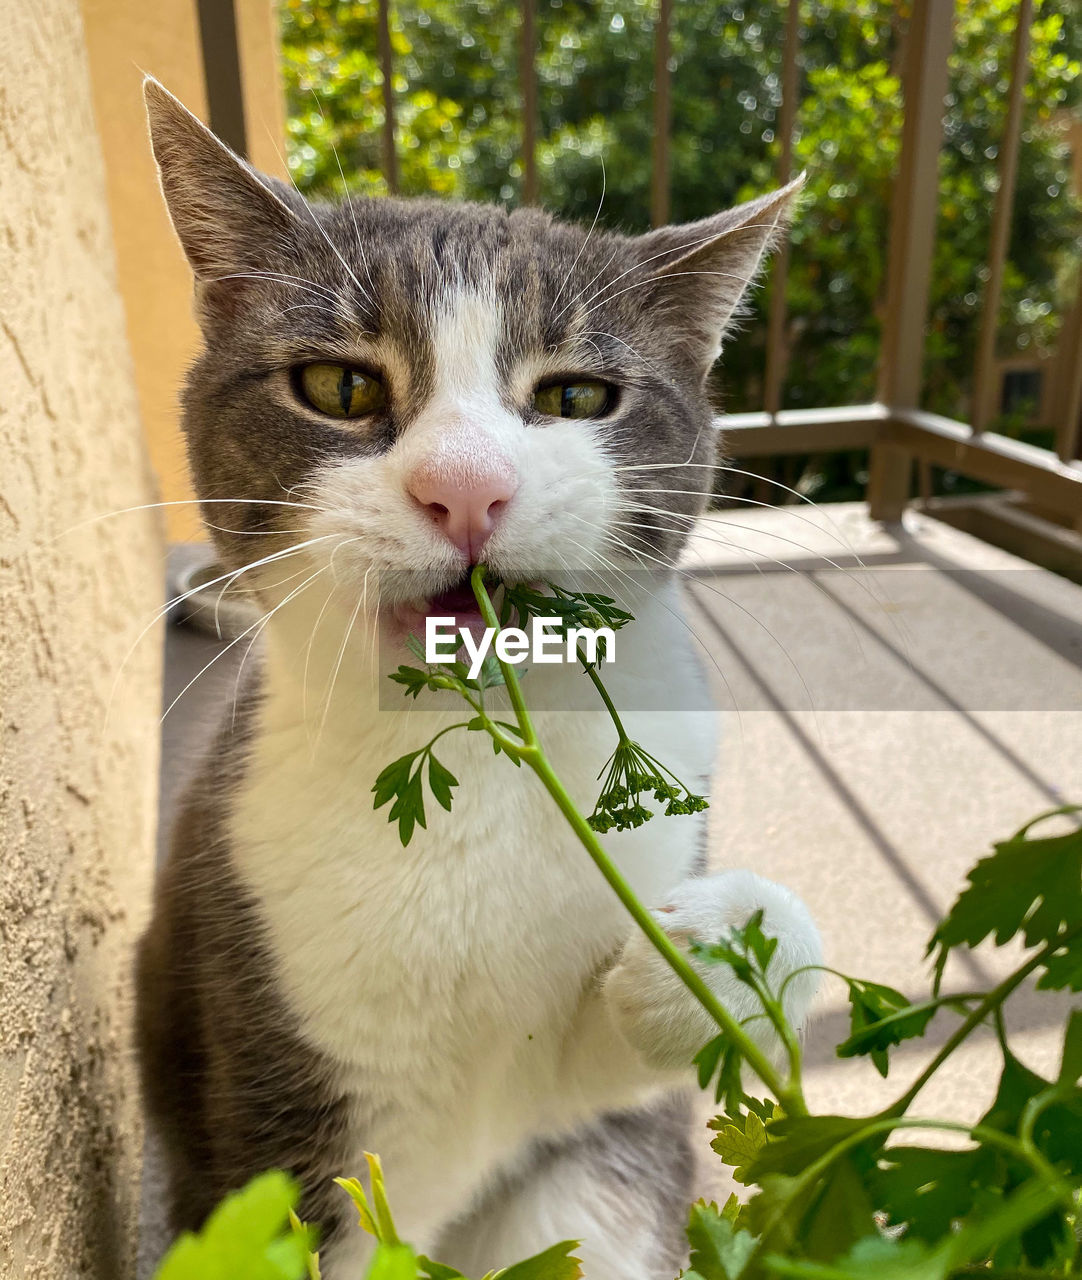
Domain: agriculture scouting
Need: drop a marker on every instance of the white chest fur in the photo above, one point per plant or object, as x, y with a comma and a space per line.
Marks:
443, 977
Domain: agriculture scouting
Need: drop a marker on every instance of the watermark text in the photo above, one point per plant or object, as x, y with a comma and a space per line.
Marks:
541, 644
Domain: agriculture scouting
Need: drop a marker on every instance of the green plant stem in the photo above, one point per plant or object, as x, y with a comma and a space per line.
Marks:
788, 1093
599, 685
989, 1004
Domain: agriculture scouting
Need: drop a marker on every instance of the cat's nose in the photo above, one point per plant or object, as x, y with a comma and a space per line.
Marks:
464, 502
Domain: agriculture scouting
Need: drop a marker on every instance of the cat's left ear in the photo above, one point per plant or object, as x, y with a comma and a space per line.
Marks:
225, 213
698, 271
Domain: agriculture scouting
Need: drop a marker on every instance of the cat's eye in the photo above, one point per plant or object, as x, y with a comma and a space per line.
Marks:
341, 392
586, 399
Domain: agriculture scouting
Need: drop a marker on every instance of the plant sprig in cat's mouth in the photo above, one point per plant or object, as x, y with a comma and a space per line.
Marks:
631, 774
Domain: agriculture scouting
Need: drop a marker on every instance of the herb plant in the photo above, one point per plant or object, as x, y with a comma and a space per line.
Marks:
827, 1197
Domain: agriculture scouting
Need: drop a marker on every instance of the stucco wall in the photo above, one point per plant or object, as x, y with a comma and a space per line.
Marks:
77, 788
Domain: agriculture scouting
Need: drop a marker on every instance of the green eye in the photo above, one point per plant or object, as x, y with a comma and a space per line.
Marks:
573, 399
341, 392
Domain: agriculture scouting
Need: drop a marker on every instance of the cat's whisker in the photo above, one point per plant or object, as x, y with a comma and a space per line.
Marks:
592, 281
279, 277
751, 475
601, 333
743, 281
864, 580
642, 524
260, 622
310, 306
252, 533
184, 595
177, 502
348, 198
641, 555
319, 618
751, 557
752, 502
582, 247
323, 232
341, 654
638, 586
266, 619
709, 532
677, 251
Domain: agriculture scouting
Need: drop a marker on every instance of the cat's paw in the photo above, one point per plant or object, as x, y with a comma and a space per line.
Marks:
656, 1012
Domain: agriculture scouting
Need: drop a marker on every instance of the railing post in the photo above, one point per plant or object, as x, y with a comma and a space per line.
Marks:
982, 403
776, 354
660, 162
912, 241
1069, 432
390, 156
528, 79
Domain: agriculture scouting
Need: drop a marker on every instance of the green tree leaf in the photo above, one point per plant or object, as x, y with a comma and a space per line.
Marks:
739, 1142
393, 1262
440, 782
1070, 1071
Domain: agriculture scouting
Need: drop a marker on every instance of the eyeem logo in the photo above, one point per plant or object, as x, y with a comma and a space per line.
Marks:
514, 645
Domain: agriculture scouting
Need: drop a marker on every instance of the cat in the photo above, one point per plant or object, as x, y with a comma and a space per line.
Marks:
409, 385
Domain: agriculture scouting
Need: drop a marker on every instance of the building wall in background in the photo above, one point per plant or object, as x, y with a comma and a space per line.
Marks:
78, 758
125, 40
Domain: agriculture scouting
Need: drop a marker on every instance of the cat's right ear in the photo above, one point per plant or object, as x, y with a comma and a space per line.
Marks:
224, 214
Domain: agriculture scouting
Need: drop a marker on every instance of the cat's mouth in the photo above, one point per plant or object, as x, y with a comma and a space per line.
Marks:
456, 602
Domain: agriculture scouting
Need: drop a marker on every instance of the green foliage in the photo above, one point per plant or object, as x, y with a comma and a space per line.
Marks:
881, 1017
719, 1249
248, 1237
1031, 886
629, 772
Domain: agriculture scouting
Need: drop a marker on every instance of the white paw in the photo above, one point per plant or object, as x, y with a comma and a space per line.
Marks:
657, 1013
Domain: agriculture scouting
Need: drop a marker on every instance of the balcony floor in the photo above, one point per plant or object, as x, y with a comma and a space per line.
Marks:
881, 726
937, 708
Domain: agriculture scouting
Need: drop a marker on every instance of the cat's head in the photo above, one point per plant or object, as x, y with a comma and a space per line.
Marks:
440, 384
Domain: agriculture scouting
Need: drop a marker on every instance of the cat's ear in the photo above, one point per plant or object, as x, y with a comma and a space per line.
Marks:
698, 271
225, 213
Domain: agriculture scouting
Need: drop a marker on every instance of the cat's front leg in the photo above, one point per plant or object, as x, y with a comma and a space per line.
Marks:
641, 1026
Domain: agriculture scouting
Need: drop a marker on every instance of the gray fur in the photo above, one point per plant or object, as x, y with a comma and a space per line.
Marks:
228, 1082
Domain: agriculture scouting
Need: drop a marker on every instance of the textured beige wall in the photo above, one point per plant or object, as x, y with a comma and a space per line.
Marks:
77, 791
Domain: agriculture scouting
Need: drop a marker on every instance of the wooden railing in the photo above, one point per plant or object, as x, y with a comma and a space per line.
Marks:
901, 436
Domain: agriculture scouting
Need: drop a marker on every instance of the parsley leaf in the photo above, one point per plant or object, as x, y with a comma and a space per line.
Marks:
881, 1017
1029, 885
719, 1249
248, 1237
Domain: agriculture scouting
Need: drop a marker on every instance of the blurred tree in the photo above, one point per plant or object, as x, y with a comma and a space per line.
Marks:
459, 108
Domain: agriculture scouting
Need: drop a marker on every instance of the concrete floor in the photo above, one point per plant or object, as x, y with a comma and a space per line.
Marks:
903, 717
894, 700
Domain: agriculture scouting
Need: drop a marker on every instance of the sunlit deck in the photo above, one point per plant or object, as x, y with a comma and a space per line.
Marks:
896, 720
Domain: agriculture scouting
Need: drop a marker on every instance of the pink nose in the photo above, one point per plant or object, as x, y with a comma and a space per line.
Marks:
464, 504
